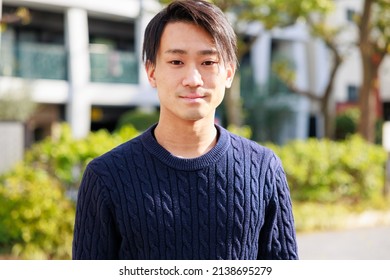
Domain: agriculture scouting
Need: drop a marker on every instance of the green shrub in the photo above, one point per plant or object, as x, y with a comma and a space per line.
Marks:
37, 197
326, 171
36, 217
244, 131
65, 158
312, 216
16, 104
346, 123
139, 119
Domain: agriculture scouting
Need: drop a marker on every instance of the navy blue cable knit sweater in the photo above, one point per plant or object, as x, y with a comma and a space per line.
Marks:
140, 202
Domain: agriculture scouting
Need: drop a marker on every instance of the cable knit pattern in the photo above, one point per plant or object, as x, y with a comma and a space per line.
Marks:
239, 198
140, 202
221, 209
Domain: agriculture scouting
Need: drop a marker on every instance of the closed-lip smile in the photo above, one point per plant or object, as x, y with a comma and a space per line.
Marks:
193, 96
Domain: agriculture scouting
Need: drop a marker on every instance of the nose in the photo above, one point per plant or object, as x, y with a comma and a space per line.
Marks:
192, 77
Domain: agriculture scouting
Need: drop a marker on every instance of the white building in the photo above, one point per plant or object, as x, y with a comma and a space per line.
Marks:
290, 115
80, 59
350, 73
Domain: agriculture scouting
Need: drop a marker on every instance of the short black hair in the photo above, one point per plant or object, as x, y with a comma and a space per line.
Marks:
200, 13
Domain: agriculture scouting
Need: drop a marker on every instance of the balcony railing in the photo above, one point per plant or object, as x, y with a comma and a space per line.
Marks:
111, 66
34, 61
46, 61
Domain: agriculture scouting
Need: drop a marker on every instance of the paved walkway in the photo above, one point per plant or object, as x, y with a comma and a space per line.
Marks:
372, 243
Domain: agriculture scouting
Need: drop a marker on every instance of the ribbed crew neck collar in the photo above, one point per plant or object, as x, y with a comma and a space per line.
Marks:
151, 144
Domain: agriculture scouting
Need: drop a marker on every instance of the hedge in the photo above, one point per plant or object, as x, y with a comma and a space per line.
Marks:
349, 171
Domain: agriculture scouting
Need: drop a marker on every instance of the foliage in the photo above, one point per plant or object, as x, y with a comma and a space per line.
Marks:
36, 218
20, 14
374, 45
346, 123
311, 216
272, 12
16, 105
323, 171
65, 158
37, 197
141, 120
244, 131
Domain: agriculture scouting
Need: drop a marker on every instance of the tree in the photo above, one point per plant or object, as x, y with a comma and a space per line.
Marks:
374, 44
318, 27
21, 14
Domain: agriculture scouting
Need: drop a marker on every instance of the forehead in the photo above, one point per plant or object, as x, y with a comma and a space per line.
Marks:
185, 36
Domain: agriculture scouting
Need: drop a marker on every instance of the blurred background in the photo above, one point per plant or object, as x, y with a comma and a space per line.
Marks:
313, 85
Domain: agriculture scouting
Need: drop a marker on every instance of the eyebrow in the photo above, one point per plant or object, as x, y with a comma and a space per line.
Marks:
202, 52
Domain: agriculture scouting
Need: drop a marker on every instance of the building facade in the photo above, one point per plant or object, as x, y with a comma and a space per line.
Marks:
300, 118
80, 60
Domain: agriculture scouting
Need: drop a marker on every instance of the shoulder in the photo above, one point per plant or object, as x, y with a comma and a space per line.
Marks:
247, 145
258, 154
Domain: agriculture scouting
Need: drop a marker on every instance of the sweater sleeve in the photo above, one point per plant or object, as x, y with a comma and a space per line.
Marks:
277, 239
95, 232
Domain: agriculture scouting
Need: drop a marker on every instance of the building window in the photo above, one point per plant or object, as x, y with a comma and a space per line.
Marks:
35, 50
353, 93
281, 53
351, 15
113, 55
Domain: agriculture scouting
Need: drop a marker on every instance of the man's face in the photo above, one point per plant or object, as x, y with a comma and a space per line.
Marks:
189, 74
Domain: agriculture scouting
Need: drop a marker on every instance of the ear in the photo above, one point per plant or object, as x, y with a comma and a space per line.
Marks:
150, 71
230, 70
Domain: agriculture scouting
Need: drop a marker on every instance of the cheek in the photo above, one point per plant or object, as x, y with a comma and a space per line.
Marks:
220, 83
212, 80
219, 78
166, 78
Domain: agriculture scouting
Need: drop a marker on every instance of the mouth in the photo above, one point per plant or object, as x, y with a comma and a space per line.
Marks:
193, 97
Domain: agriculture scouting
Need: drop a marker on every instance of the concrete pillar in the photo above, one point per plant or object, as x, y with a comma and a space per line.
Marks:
386, 146
261, 53
319, 65
318, 61
11, 143
77, 43
302, 81
1, 13
146, 13
300, 63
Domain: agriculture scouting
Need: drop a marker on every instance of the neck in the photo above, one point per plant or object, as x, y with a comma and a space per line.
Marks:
187, 139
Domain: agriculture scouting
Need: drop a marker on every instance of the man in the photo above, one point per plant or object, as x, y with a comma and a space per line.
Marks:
186, 188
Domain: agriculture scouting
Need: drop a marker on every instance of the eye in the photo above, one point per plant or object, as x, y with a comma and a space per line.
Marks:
209, 63
176, 62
